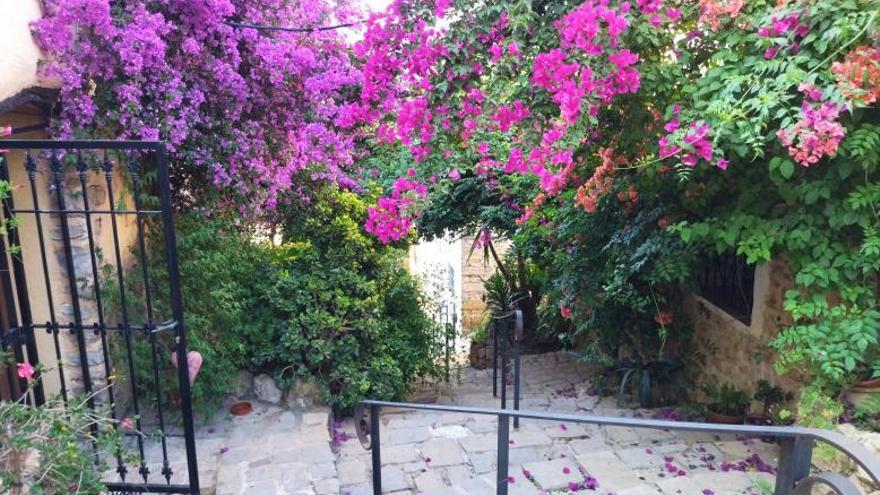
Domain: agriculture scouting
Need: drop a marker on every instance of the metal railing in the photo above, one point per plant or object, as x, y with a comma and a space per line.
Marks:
793, 473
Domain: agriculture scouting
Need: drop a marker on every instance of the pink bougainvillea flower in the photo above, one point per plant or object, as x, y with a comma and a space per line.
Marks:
455, 175
591, 483
672, 126
440, 7
722, 163
496, 52
816, 134
26, 371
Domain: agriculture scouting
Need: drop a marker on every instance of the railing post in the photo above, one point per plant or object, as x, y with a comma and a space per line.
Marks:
517, 337
794, 463
505, 359
494, 326
375, 450
503, 453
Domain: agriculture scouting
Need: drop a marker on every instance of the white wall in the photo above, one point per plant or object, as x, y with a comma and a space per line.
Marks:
438, 264
18, 52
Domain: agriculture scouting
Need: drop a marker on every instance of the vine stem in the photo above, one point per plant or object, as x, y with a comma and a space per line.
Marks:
845, 45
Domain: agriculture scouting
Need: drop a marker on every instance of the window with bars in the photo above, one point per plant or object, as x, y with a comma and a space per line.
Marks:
728, 282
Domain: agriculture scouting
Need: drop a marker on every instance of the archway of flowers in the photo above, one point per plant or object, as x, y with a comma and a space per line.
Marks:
612, 141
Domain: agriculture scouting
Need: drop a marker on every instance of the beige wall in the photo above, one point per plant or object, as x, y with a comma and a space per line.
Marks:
742, 355
474, 270
19, 55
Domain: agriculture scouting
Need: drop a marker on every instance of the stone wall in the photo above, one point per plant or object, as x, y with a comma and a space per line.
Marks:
737, 353
474, 270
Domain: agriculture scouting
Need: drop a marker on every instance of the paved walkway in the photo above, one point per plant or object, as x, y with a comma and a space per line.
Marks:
275, 451
433, 453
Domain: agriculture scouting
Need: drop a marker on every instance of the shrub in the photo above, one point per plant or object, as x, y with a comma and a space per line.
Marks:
329, 303
42, 447
223, 273
347, 312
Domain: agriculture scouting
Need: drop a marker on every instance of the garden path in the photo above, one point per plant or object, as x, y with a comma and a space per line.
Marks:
432, 453
275, 451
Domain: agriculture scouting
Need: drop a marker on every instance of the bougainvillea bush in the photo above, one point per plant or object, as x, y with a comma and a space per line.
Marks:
247, 113
617, 142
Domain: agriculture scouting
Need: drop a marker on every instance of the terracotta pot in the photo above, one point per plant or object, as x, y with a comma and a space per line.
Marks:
242, 408
861, 391
714, 417
873, 383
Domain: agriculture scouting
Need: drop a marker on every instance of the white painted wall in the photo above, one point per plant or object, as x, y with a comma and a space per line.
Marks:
438, 264
19, 54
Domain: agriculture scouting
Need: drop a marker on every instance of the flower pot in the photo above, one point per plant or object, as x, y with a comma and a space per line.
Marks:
861, 391
480, 355
718, 418
242, 408
758, 420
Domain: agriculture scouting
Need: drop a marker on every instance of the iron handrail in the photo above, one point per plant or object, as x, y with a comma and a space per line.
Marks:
793, 472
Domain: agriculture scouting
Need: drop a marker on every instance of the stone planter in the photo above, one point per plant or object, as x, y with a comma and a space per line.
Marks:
480, 355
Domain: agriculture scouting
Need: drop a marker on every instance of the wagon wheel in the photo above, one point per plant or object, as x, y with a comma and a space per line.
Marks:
362, 426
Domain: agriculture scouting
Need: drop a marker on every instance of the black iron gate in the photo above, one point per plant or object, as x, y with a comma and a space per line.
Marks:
83, 297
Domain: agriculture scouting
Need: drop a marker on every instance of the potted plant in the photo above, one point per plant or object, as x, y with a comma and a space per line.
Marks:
770, 396
480, 355
781, 416
728, 405
646, 376
866, 388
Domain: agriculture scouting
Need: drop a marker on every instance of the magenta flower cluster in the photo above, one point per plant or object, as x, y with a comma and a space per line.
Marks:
784, 27
817, 133
689, 144
254, 113
391, 218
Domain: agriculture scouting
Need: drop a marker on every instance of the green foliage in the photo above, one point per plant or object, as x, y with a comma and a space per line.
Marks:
224, 276
330, 303
816, 409
42, 447
822, 220
498, 295
348, 313
771, 396
866, 415
727, 399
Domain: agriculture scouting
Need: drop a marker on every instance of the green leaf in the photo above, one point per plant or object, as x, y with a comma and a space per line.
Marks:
786, 169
